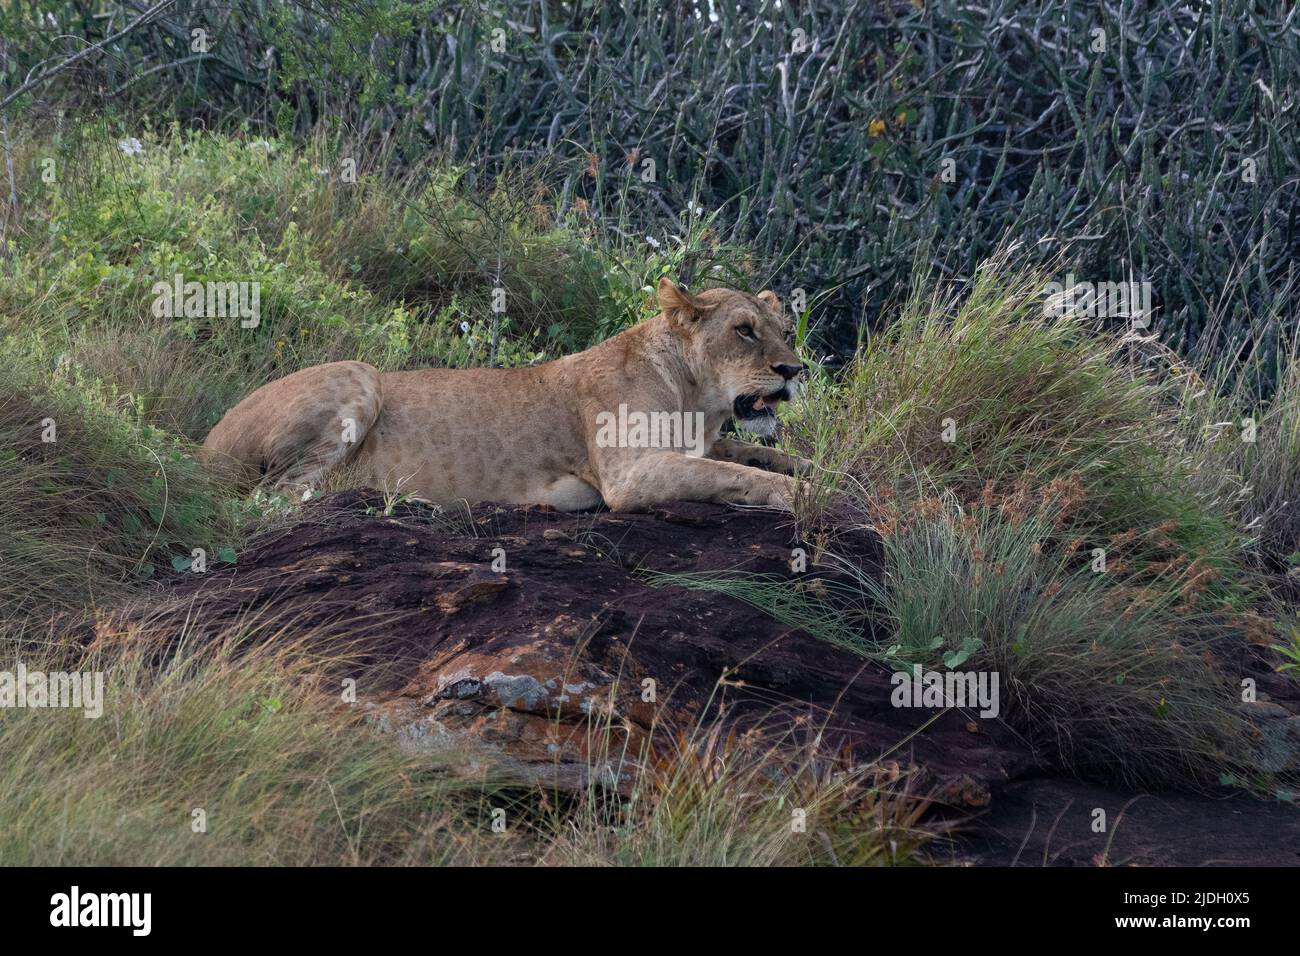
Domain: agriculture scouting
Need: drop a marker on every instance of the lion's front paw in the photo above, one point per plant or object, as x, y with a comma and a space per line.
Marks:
800, 466
784, 491
783, 464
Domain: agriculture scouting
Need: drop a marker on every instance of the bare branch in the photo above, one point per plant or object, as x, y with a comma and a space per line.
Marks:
78, 57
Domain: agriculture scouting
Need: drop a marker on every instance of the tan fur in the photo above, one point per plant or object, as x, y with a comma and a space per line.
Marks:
529, 435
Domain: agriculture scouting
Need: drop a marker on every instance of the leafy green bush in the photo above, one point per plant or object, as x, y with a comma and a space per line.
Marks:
986, 394
843, 145
389, 272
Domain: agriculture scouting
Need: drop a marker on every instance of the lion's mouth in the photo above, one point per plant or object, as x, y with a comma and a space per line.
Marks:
753, 407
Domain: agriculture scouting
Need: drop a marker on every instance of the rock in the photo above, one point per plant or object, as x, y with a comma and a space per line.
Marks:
1277, 746
504, 673
515, 666
1263, 711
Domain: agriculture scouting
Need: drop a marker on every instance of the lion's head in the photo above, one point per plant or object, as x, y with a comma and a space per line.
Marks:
739, 348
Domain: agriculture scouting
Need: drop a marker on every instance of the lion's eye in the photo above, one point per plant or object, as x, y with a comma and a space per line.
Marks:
745, 331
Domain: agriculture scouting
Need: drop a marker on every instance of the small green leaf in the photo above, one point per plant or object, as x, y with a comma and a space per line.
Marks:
954, 659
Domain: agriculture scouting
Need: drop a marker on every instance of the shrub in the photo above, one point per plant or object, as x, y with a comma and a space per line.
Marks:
387, 271
842, 148
985, 395
1052, 508
1104, 673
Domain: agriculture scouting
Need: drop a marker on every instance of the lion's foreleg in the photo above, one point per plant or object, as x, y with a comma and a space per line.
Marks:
655, 478
758, 456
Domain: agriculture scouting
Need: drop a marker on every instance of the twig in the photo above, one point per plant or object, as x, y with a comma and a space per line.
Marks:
13, 188
77, 57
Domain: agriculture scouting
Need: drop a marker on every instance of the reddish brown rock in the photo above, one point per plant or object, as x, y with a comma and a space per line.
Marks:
512, 663
505, 669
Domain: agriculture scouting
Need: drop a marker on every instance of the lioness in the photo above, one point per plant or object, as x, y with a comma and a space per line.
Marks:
570, 433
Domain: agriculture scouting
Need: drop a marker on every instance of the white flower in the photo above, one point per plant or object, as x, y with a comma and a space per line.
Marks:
306, 494
694, 208
654, 243
132, 146
322, 171
261, 144
464, 326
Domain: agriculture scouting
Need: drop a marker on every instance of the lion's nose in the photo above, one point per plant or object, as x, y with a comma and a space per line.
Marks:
788, 372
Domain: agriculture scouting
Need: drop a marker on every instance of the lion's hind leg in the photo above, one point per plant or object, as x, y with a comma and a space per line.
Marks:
324, 426
292, 432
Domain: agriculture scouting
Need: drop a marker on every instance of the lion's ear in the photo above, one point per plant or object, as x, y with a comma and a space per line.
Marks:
673, 297
768, 297
682, 308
